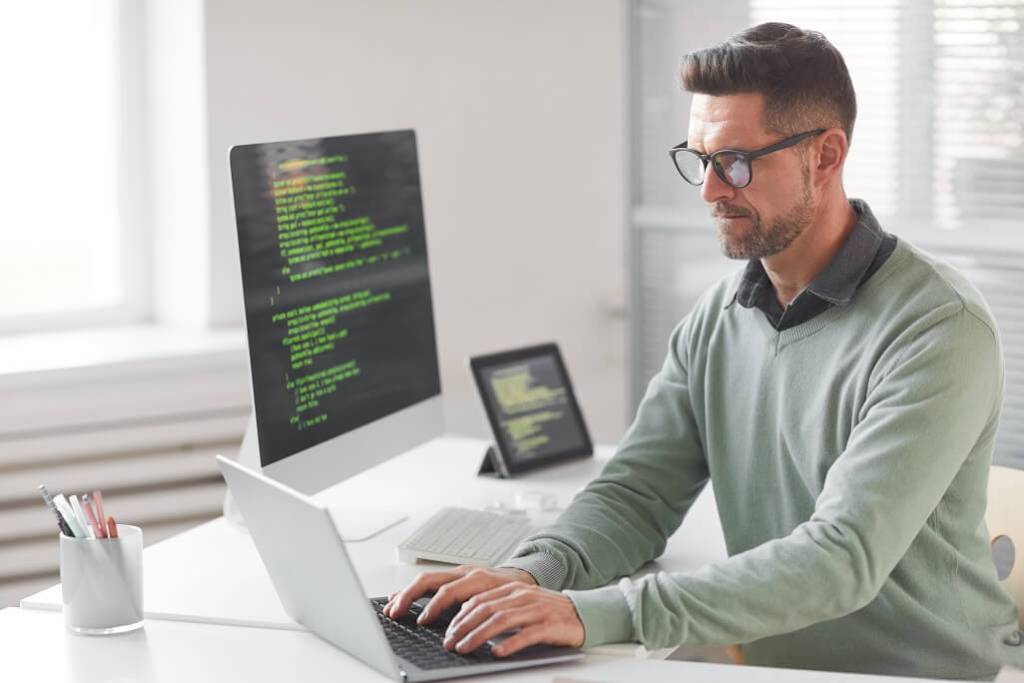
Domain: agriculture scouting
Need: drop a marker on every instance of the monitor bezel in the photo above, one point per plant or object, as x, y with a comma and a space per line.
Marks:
514, 464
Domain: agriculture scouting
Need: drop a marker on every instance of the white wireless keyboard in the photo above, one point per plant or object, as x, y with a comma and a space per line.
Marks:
461, 536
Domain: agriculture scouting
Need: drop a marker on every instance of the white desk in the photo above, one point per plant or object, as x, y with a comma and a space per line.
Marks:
37, 647
212, 574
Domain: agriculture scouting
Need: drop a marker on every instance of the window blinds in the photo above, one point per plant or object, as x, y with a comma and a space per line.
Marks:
979, 113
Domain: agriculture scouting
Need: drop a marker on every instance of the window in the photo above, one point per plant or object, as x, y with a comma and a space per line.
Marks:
979, 113
67, 245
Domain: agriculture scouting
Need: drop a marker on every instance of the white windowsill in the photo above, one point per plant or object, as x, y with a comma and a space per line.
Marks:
63, 382
107, 353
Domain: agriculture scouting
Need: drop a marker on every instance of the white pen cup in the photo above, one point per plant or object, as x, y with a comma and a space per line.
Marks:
101, 582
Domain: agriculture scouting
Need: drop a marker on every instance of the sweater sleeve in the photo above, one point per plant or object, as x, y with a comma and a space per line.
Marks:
933, 403
623, 519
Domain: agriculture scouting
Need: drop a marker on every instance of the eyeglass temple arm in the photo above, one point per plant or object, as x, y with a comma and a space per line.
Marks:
783, 144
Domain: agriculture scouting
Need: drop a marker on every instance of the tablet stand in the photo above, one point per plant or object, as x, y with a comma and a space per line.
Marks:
493, 464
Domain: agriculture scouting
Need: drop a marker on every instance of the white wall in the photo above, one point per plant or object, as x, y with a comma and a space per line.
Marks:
519, 108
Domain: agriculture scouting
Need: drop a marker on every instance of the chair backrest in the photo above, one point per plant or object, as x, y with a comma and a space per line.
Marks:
1004, 517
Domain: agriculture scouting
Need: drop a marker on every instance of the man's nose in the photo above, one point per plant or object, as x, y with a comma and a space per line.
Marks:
714, 188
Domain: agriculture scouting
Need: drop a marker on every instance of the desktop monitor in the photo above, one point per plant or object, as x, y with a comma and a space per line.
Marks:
338, 310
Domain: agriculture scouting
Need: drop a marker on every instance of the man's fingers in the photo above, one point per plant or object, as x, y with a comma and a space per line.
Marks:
423, 583
481, 598
479, 608
472, 583
498, 623
526, 637
492, 605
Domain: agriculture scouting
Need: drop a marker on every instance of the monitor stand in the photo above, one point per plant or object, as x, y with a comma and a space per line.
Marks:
353, 524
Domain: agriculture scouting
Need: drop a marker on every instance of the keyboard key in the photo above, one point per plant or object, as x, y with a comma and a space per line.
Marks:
424, 645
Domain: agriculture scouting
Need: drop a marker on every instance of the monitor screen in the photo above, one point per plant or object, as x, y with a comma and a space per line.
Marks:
530, 404
338, 307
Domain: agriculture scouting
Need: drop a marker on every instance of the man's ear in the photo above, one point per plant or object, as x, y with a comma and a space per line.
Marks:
831, 149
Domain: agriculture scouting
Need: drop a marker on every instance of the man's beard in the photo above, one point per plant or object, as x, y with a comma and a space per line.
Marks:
754, 239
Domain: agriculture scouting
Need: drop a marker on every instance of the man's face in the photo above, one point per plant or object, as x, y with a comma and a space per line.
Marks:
764, 217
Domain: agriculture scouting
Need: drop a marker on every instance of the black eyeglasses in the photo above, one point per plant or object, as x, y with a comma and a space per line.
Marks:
731, 165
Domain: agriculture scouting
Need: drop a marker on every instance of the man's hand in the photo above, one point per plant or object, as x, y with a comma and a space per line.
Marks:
450, 588
493, 601
537, 614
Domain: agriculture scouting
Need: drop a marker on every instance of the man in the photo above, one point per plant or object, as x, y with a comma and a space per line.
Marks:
842, 393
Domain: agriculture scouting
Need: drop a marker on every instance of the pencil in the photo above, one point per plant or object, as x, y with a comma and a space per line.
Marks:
97, 500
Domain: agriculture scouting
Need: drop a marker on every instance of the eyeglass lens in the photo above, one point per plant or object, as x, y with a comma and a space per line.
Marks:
690, 167
733, 168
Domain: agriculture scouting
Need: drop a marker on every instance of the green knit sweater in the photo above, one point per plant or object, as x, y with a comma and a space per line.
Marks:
849, 457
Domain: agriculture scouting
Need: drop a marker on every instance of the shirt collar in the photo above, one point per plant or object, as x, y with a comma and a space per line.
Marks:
750, 285
841, 277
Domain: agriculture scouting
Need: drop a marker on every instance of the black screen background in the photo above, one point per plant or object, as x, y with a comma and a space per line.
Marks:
393, 342
565, 433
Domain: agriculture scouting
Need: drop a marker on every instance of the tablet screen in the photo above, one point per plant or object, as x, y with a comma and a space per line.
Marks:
531, 406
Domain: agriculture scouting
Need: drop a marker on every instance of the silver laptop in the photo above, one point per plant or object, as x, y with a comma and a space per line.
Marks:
319, 588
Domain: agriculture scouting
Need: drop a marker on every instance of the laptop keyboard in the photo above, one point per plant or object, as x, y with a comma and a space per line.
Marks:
424, 645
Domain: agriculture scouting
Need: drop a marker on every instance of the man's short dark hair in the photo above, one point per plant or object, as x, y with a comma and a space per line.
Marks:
801, 75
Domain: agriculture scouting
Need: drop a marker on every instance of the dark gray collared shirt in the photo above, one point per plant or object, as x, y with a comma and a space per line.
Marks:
866, 248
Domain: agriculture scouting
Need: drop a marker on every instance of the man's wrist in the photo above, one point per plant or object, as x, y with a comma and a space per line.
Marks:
605, 615
546, 570
522, 575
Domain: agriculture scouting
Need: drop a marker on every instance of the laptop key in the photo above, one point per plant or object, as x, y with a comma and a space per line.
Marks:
424, 645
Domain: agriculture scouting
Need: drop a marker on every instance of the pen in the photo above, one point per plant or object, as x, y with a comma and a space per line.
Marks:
97, 499
91, 516
61, 524
65, 510
76, 507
